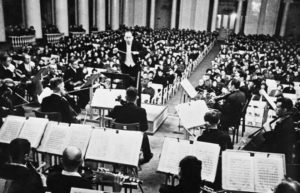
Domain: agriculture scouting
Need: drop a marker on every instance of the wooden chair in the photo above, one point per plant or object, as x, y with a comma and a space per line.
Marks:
52, 116
126, 126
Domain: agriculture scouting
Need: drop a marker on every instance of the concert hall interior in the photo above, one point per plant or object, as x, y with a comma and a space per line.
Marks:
154, 96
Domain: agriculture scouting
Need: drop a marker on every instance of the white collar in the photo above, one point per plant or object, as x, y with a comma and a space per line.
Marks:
66, 173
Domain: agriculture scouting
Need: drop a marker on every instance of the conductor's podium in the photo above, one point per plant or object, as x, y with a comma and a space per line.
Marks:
105, 99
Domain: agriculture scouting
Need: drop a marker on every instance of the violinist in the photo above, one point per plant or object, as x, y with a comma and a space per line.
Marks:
57, 102
282, 138
17, 176
233, 105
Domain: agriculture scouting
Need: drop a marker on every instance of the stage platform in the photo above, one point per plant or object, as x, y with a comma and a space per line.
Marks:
156, 115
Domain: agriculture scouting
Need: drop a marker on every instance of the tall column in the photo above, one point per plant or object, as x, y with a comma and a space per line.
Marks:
100, 15
140, 12
126, 12
2, 25
83, 15
200, 14
115, 20
214, 15
152, 14
173, 14
285, 16
62, 16
33, 16
238, 17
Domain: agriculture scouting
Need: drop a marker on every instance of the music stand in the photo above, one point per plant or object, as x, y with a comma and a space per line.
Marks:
113, 76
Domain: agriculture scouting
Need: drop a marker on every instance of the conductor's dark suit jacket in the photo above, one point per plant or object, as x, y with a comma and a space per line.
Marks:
56, 103
130, 113
135, 46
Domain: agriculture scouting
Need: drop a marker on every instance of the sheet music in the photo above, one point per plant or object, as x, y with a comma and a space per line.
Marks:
80, 136
208, 153
269, 171
237, 171
191, 114
33, 130
55, 138
109, 146
251, 171
106, 98
11, 128
81, 190
174, 151
267, 97
188, 88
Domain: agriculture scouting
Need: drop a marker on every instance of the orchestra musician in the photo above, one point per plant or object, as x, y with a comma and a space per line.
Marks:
7, 69
189, 177
57, 102
282, 138
62, 181
17, 176
129, 112
233, 105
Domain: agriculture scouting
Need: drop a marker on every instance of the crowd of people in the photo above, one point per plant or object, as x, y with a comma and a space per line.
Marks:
237, 74
18, 30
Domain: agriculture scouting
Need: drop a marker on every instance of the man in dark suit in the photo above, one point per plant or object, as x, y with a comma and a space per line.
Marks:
283, 137
130, 52
233, 105
58, 103
131, 113
15, 176
63, 181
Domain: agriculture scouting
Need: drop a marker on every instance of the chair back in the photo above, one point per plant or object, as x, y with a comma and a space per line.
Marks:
126, 126
52, 116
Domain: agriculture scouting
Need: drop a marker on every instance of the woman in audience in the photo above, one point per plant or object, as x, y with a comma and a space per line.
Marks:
189, 177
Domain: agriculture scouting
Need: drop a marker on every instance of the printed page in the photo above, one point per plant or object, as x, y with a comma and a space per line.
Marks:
172, 153
208, 153
11, 128
33, 130
109, 146
237, 171
269, 171
188, 88
55, 138
191, 114
80, 136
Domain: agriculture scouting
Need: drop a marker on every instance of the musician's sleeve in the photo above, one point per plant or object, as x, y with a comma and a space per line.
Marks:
143, 121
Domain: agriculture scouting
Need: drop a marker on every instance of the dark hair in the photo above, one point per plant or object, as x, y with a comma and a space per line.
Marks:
131, 94
286, 103
212, 117
288, 186
54, 82
190, 171
18, 148
236, 83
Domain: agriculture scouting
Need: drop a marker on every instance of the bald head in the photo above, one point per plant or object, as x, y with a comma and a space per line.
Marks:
72, 158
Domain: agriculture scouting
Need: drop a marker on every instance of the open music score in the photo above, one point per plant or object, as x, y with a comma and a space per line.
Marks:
11, 128
251, 171
174, 150
110, 145
191, 114
60, 135
33, 130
